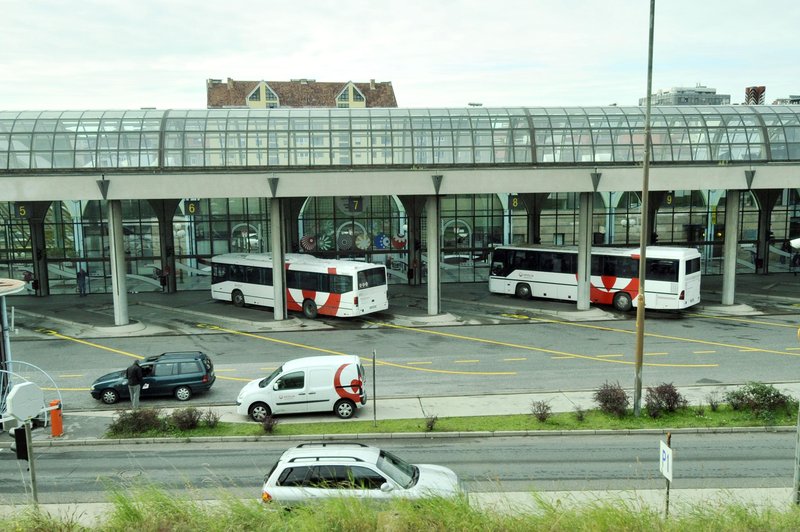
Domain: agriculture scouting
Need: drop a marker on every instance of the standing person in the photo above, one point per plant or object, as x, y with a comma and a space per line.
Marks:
134, 376
82, 275
412, 270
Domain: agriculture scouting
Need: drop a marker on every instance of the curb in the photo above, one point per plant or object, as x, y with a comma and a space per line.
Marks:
408, 435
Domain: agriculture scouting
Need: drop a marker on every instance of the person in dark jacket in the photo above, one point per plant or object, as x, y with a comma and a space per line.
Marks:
135, 377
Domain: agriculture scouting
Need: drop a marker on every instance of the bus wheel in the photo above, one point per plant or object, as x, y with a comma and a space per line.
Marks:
623, 301
310, 309
238, 298
523, 291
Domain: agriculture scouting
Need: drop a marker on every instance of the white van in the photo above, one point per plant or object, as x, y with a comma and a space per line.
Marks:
312, 384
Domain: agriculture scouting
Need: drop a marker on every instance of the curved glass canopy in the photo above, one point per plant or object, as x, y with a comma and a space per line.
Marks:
42, 141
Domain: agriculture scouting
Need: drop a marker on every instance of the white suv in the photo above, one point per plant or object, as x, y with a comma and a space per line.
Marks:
338, 469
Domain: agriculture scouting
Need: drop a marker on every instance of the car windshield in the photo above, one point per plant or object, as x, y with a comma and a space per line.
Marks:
266, 380
397, 469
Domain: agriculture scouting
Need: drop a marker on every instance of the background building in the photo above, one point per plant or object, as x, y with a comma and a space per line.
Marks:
793, 99
698, 95
298, 93
755, 95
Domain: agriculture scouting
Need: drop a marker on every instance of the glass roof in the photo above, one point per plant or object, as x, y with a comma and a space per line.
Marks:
476, 136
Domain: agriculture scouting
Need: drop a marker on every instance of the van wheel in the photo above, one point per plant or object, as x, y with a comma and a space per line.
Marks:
523, 291
344, 408
259, 412
109, 396
623, 302
310, 309
183, 393
238, 298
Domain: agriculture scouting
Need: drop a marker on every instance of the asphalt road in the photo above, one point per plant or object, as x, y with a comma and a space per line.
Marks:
513, 464
528, 354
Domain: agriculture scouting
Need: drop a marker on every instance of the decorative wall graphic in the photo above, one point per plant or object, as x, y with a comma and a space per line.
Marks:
324, 242
363, 242
308, 243
382, 241
345, 242
399, 241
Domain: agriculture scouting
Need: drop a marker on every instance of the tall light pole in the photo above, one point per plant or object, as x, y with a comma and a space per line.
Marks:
645, 229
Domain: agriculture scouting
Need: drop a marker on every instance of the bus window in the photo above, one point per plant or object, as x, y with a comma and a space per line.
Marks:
341, 284
662, 270
372, 277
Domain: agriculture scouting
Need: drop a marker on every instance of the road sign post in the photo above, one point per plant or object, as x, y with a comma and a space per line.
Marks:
665, 467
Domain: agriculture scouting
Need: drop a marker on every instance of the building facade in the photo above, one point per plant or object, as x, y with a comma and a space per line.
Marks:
298, 93
698, 95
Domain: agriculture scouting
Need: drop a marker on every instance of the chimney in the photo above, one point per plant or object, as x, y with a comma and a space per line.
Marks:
372, 84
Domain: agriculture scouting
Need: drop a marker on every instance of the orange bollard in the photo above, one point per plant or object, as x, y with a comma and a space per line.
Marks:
56, 419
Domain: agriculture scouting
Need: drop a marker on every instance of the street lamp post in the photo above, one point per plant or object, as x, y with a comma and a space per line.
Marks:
643, 236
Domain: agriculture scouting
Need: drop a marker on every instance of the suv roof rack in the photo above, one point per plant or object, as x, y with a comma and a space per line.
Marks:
330, 444
299, 459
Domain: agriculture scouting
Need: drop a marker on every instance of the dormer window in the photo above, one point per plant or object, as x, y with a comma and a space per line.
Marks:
255, 96
344, 96
357, 96
270, 95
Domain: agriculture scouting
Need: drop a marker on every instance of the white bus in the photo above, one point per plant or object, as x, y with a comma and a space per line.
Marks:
314, 286
672, 277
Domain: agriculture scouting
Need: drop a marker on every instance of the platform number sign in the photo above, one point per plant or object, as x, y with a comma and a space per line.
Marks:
514, 201
22, 210
665, 461
191, 207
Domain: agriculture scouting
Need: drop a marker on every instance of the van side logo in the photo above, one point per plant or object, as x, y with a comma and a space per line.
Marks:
341, 390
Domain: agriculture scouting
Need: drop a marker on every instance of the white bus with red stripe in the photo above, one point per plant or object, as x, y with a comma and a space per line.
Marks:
314, 286
672, 279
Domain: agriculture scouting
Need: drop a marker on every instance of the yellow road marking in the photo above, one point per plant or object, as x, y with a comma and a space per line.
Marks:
56, 334
561, 358
515, 359
793, 348
703, 352
227, 370
331, 352
655, 354
743, 320
69, 376
466, 361
537, 349
418, 363
609, 356
664, 336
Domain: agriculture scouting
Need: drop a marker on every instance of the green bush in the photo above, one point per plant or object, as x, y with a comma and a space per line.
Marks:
762, 400
211, 418
186, 418
137, 421
269, 424
541, 410
430, 423
612, 399
663, 398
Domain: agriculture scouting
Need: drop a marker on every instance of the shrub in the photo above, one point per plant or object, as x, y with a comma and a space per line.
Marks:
713, 401
430, 423
269, 424
186, 418
700, 410
580, 414
612, 399
137, 421
211, 418
541, 410
663, 398
763, 400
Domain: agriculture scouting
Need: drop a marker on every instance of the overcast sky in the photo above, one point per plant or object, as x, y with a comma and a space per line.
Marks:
126, 54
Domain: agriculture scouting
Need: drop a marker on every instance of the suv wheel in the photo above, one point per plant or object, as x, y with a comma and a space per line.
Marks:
183, 393
259, 412
109, 396
344, 408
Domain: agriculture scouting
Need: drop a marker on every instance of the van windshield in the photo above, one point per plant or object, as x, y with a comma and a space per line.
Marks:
266, 380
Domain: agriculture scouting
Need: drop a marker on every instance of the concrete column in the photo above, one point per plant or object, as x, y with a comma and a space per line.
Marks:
165, 214
534, 203
585, 209
432, 213
731, 244
277, 245
116, 248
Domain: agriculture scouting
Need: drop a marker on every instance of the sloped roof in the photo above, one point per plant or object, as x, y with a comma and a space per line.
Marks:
297, 93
